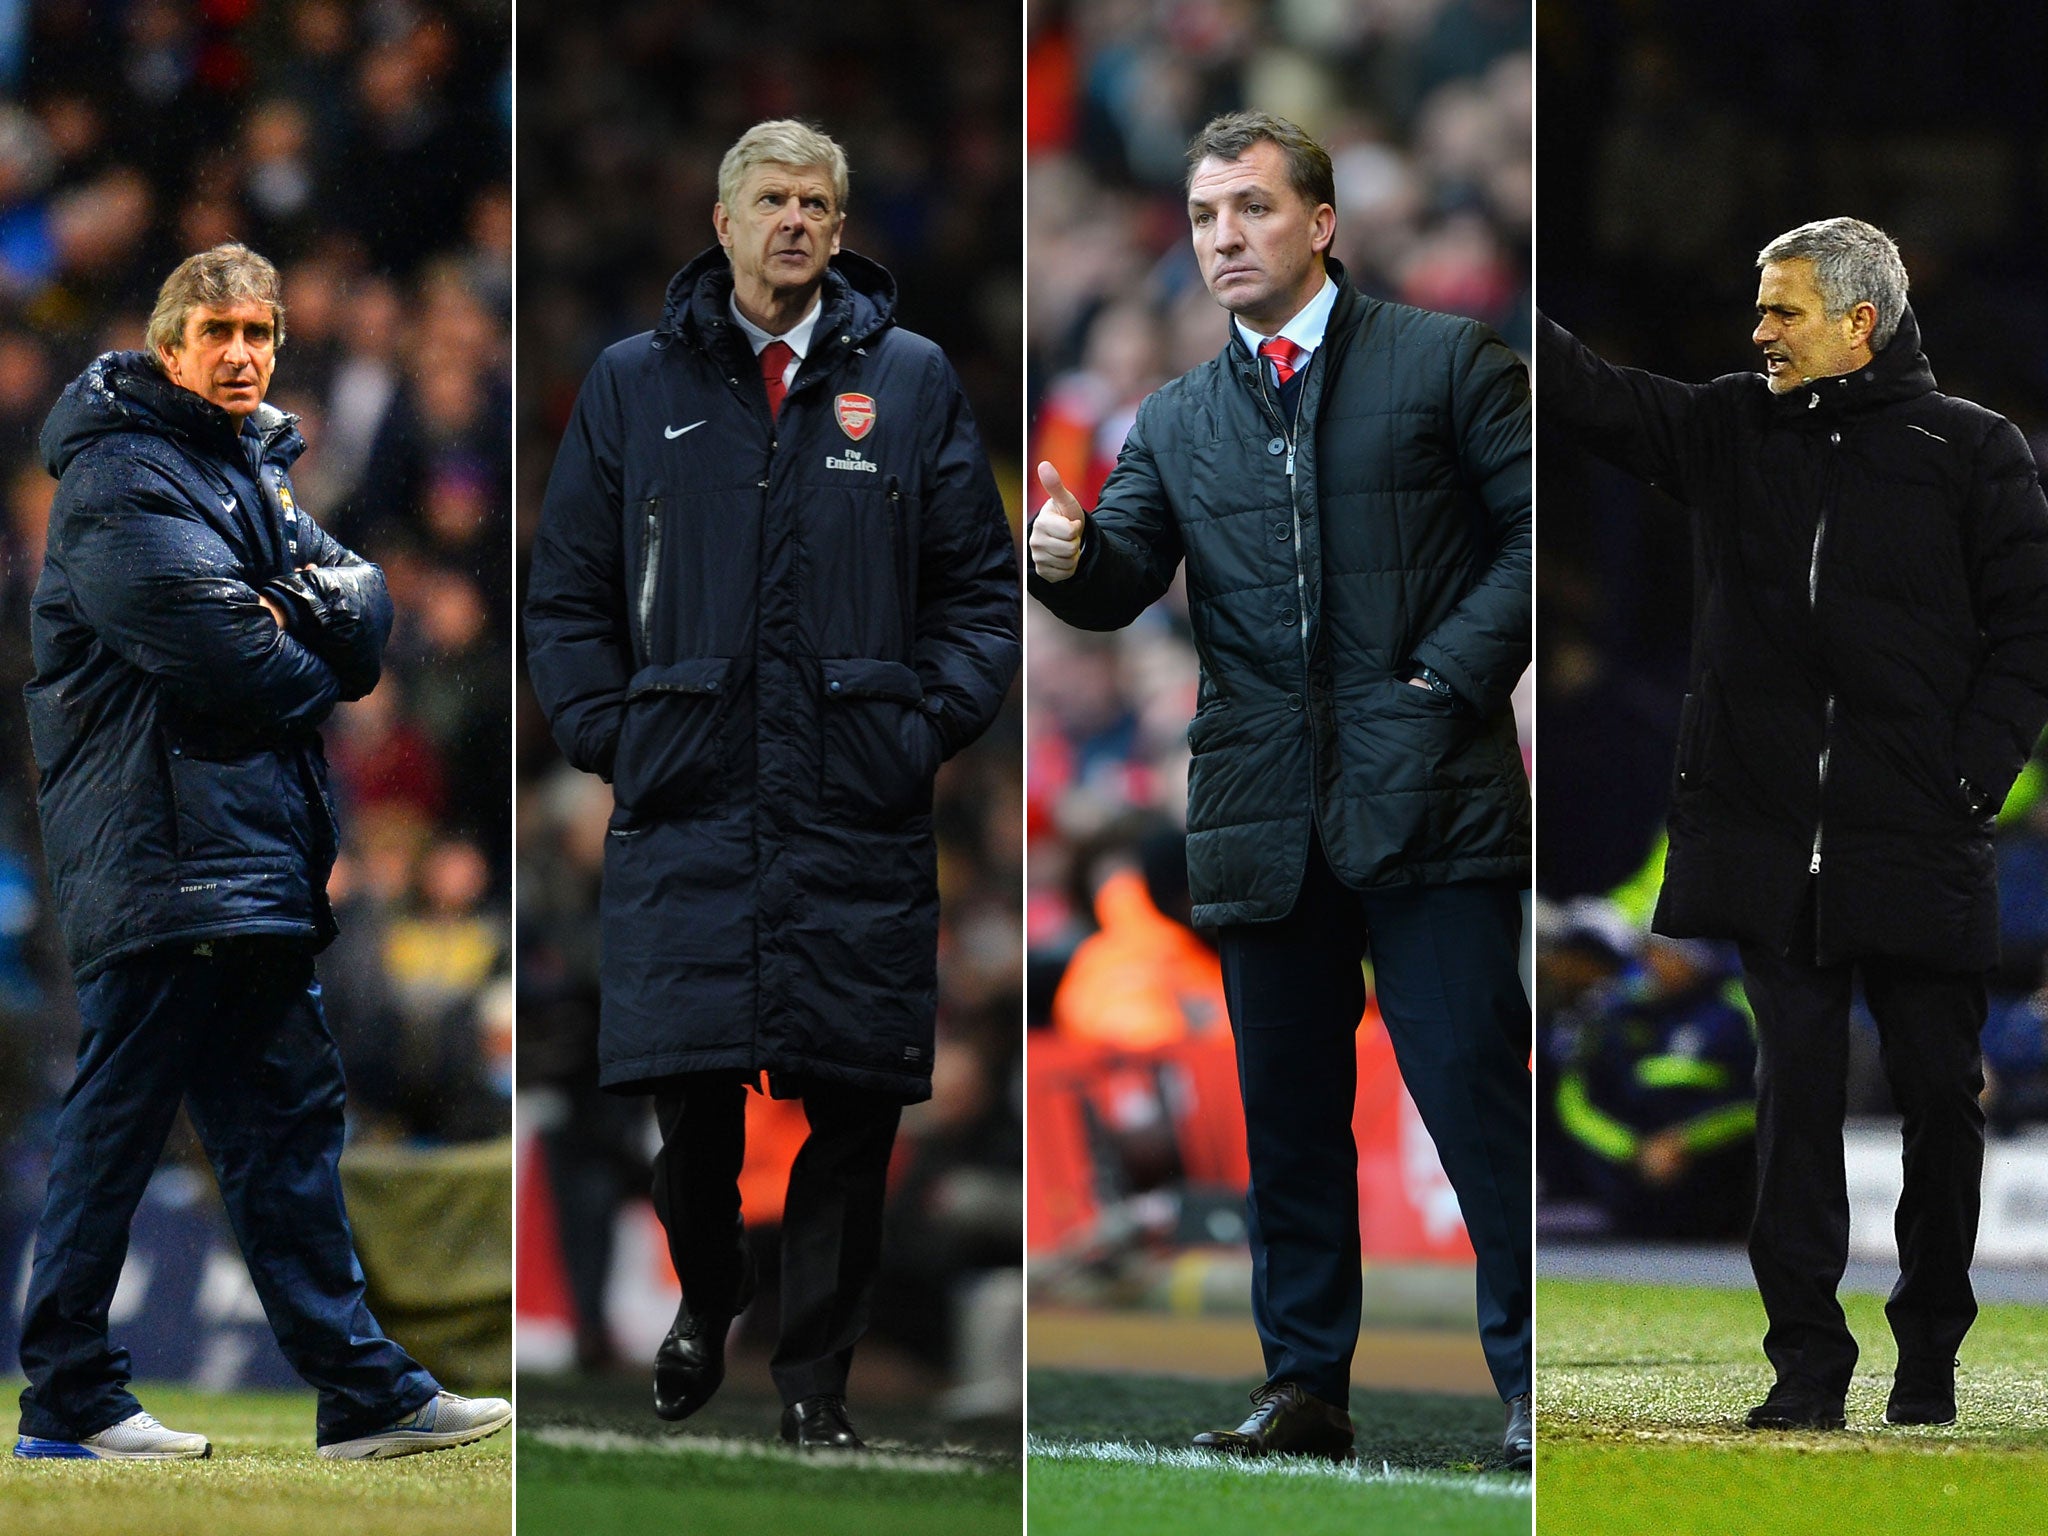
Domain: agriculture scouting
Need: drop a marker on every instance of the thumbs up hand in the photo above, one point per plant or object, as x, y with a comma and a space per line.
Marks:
1056, 531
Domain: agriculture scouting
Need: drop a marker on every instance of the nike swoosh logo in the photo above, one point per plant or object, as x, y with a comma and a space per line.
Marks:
673, 432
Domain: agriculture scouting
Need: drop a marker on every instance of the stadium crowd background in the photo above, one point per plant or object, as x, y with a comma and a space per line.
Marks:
365, 150
1424, 106
618, 176
1674, 144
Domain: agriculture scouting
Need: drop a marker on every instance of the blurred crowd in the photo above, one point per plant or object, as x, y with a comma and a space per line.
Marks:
1673, 150
365, 150
618, 175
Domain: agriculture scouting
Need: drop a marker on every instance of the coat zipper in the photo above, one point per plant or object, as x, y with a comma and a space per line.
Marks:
1294, 506
650, 558
1827, 729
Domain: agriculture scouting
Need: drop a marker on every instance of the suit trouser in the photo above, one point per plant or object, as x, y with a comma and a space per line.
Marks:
1451, 995
1928, 1024
831, 1217
238, 1036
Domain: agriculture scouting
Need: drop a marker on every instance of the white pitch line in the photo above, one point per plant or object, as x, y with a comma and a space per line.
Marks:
609, 1440
1491, 1485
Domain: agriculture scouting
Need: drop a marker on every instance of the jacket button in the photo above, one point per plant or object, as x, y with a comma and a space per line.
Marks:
1277, 446
1294, 701
833, 686
1288, 615
1834, 437
1281, 532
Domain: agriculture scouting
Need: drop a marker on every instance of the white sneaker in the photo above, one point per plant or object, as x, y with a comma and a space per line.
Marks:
136, 1438
445, 1420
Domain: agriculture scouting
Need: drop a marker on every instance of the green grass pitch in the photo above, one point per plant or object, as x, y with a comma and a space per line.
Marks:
1640, 1393
263, 1479
594, 1461
1109, 1454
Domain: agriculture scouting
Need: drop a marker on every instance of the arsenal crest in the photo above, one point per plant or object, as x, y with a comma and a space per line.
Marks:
856, 414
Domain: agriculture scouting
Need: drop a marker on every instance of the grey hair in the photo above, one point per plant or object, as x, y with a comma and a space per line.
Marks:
1853, 263
221, 278
782, 141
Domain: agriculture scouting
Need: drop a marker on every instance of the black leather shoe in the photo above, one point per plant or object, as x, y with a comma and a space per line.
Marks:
820, 1424
1923, 1392
1795, 1405
690, 1364
1520, 1440
1286, 1421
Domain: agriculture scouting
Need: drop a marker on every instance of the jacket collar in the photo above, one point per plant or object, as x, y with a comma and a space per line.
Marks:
1898, 372
1238, 356
127, 392
858, 304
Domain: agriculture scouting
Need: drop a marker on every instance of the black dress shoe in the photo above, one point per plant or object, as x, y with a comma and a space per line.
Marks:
1286, 1421
690, 1364
1795, 1405
1923, 1392
1520, 1440
820, 1424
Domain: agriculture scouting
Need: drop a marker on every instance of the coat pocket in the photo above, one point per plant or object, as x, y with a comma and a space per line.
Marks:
880, 749
236, 811
672, 750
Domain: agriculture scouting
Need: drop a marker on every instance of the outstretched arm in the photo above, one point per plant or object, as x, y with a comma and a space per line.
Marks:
1639, 422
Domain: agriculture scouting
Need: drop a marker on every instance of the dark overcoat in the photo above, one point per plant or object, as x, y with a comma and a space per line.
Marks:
767, 633
1385, 527
183, 787
1870, 644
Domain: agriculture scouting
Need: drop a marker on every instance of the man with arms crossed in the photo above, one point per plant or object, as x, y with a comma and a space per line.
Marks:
192, 628
1869, 673
1348, 483
773, 589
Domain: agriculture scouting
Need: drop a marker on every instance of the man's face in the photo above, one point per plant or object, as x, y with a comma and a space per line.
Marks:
1260, 242
226, 355
781, 231
1798, 340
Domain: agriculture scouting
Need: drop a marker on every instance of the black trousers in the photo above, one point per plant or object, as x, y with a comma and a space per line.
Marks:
1444, 962
831, 1217
1928, 1023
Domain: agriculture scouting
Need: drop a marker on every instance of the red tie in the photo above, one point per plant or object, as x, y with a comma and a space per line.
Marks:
1284, 355
774, 363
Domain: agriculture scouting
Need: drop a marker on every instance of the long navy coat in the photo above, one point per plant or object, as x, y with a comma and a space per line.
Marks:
767, 634
184, 791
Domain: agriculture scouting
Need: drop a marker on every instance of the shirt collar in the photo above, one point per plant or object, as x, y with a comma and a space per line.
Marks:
1306, 329
798, 336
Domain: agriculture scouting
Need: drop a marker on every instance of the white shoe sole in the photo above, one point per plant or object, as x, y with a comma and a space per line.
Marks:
410, 1442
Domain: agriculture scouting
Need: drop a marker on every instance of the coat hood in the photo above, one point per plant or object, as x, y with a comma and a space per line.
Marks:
127, 392
859, 301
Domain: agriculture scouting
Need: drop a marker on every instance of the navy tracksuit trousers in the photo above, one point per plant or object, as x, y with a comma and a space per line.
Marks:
1451, 995
234, 1030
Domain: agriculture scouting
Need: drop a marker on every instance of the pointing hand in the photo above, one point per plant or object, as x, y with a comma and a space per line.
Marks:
1056, 531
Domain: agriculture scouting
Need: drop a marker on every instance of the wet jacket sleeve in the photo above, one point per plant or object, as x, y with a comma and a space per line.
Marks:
578, 649
1130, 547
967, 645
2007, 528
339, 609
1482, 646
1639, 422
164, 591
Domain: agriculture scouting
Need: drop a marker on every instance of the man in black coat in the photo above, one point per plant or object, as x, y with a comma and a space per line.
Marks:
1869, 674
773, 589
1348, 483
192, 628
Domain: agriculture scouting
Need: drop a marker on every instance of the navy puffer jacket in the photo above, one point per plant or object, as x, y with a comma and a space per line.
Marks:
767, 633
184, 791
